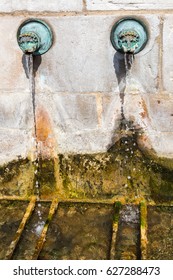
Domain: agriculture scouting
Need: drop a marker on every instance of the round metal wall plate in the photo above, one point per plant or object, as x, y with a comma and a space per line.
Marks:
129, 24
42, 29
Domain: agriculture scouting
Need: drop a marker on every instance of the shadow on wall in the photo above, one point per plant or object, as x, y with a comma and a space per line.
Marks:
122, 65
36, 63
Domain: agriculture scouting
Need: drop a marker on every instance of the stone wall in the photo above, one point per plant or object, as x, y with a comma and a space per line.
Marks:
79, 80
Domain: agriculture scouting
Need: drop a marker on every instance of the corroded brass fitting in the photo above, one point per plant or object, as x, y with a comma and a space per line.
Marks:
34, 36
29, 42
128, 40
129, 35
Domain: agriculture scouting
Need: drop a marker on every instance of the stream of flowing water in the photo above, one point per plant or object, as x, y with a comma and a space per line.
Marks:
30, 65
126, 128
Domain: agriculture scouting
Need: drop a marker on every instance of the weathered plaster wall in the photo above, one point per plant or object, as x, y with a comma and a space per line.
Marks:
78, 82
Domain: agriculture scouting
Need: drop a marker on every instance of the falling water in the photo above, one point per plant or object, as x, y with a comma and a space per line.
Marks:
127, 130
128, 61
30, 65
32, 89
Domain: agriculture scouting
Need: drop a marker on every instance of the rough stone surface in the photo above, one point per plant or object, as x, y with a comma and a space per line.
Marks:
74, 111
162, 143
152, 111
110, 111
81, 56
12, 73
91, 141
86, 65
167, 69
14, 144
16, 111
82, 123
129, 5
153, 114
84, 60
83, 88
32, 5
160, 111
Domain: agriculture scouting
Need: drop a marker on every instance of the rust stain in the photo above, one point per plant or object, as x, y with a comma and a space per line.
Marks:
44, 133
144, 114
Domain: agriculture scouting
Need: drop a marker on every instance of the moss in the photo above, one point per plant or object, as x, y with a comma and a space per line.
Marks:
16, 178
162, 162
161, 190
11, 170
143, 215
45, 176
124, 171
19, 178
103, 175
128, 256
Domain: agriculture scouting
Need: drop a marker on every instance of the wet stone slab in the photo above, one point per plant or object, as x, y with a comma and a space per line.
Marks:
79, 231
128, 235
11, 214
160, 233
27, 243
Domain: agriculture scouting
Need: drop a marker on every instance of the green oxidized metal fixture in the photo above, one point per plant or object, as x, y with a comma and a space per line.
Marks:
129, 35
34, 36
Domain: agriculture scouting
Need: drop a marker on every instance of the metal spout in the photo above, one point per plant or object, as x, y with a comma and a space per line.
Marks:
128, 40
34, 36
29, 42
129, 35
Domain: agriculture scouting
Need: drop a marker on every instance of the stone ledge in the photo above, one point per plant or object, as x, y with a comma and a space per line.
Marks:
125, 5
33, 6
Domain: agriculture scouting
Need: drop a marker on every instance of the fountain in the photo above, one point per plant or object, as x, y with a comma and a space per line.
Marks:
35, 38
108, 203
128, 36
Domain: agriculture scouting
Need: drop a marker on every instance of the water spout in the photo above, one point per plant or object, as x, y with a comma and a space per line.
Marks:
35, 37
128, 40
29, 42
129, 36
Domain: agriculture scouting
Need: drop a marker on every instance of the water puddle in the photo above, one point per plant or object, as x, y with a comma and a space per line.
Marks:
26, 246
11, 214
78, 232
160, 233
128, 236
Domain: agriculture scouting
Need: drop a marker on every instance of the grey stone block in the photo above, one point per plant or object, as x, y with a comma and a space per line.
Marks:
14, 143
82, 58
129, 5
167, 67
74, 112
16, 111
40, 6
85, 142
